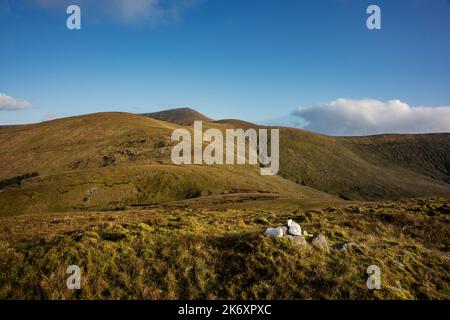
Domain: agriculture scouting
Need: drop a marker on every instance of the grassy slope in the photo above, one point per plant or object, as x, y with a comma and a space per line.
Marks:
82, 143
426, 154
113, 160
197, 254
370, 168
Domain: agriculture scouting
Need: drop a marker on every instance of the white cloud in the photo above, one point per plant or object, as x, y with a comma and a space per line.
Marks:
367, 116
9, 103
128, 11
138, 10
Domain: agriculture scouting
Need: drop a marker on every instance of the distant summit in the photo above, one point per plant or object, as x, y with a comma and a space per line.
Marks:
181, 116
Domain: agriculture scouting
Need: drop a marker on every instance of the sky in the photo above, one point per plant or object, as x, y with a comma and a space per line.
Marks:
307, 63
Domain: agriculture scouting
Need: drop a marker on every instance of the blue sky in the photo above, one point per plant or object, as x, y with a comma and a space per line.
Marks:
250, 59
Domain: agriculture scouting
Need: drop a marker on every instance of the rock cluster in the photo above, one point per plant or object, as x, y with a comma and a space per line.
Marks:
293, 231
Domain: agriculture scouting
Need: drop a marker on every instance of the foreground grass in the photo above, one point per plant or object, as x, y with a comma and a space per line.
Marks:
223, 254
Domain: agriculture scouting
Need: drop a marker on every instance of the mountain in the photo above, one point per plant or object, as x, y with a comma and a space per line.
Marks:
111, 161
108, 161
101, 190
181, 116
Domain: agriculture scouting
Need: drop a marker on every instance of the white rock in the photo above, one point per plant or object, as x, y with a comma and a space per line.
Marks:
289, 222
294, 228
274, 232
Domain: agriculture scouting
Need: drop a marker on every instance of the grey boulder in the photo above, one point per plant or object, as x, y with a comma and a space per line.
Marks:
320, 242
300, 240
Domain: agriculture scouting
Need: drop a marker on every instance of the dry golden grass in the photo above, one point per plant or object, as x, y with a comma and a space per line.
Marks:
223, 254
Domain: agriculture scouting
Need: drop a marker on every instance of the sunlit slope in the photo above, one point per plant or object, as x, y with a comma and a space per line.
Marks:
109, 161
90, 141
223, 254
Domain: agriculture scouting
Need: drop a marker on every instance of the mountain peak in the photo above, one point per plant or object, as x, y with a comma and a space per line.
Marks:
183, 116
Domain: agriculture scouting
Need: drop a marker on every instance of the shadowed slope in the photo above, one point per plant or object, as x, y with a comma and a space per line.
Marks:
372, 168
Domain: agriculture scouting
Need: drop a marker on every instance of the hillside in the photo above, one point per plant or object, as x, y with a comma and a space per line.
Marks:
181, 116
364, 168
367, 168
111, 161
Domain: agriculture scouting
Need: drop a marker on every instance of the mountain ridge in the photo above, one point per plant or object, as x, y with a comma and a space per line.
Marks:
113, 160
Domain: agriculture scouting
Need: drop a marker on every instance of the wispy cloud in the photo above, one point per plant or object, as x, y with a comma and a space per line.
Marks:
368, 116
11, 104
49, 116
152, 12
